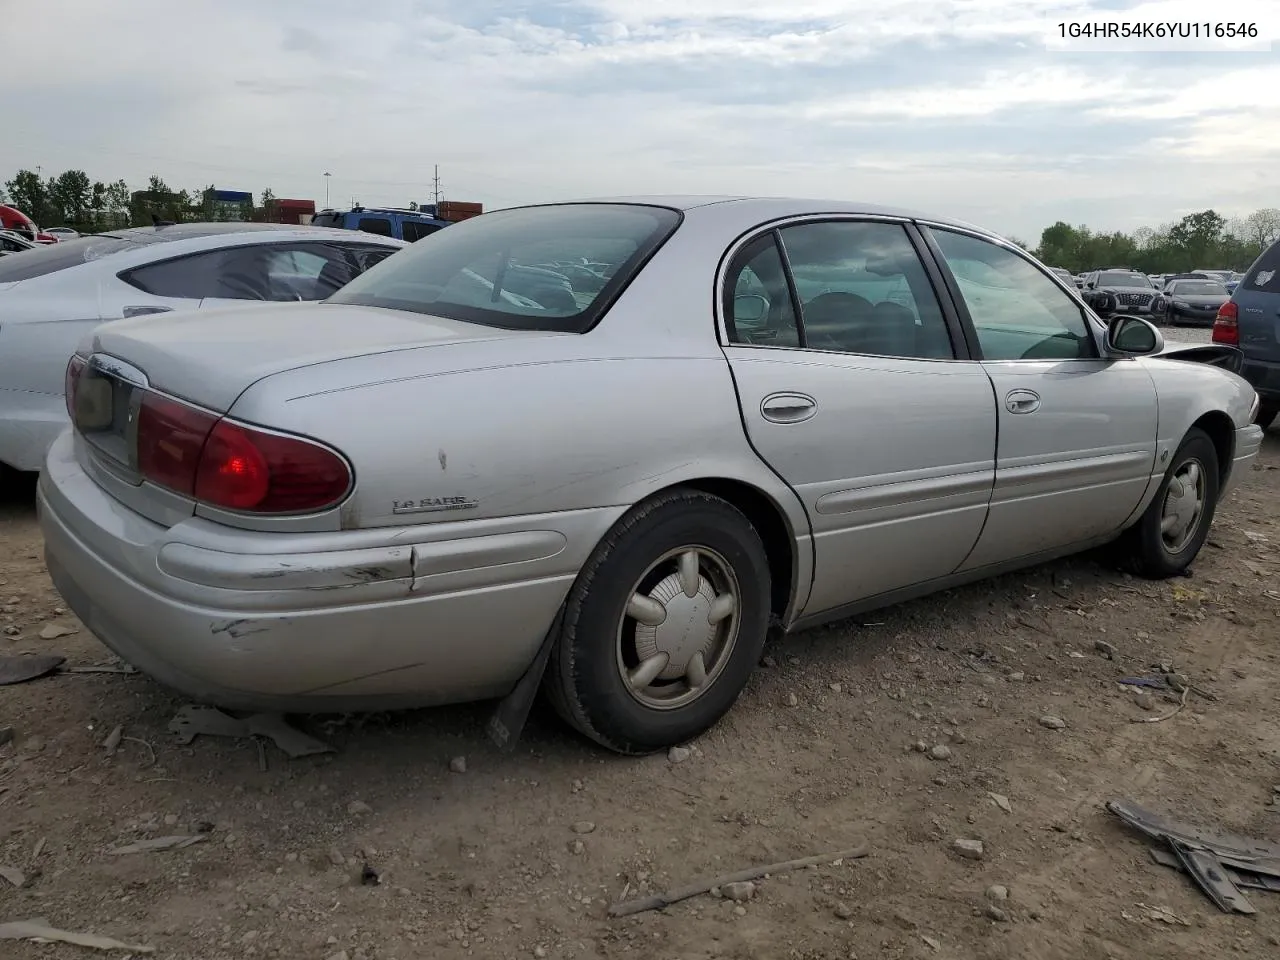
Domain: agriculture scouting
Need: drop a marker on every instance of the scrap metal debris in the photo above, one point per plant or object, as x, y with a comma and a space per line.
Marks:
192, 720
1220, 864
13, 875
39, 931
159, 843
662, 900
21, 669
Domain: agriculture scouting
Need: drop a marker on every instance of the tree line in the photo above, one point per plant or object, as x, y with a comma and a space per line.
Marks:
1199, 240
72, 199
1205, 239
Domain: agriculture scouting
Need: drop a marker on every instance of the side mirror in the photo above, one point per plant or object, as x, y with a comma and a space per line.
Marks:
750, 308
1133, 337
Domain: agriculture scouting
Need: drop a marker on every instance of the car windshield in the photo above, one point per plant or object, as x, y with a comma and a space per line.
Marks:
554, 268
50, 258
1122, 278
1198, 288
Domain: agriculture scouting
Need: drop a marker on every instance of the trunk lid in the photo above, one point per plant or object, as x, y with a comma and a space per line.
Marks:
209, 357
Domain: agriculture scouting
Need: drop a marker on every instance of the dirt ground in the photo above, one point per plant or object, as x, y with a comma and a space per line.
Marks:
819, 752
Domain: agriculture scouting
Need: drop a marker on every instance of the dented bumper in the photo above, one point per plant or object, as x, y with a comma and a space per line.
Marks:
350, 620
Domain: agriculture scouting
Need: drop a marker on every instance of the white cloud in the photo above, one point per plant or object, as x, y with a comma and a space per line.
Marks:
955, 107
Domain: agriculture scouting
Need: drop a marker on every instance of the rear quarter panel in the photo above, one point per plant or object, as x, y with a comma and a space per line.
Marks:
551, 433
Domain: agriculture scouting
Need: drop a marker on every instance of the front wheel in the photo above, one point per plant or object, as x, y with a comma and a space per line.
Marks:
1165, 542
664, 625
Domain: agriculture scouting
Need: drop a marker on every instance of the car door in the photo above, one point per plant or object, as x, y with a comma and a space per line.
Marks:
1077, 432
851, 391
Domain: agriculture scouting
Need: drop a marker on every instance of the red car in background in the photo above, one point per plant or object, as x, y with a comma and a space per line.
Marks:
14, 219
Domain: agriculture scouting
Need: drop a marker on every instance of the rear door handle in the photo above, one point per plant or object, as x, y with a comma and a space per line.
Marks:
788, 407
142, 311
1022, 401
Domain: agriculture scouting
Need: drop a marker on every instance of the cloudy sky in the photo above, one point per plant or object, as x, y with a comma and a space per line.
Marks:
961, 107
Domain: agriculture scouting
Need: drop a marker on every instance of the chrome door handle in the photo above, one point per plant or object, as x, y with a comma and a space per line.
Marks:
788, 407
1022, 401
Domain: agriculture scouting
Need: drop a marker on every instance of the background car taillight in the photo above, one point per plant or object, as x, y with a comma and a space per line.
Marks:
1225, 328
233, 466
75, 366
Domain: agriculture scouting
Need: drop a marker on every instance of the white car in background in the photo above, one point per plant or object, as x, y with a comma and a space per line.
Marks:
62, 233
52, 295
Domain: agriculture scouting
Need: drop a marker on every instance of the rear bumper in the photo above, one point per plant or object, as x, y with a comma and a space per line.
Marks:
355, 620
1264, 375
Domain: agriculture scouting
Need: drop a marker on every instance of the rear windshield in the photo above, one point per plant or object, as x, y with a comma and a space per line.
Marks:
1263, 276
327, 220
52, 257
534, 268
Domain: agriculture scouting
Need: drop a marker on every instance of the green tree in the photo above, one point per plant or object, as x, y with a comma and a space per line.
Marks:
71, 193
1262, 227
268, 205
29, 194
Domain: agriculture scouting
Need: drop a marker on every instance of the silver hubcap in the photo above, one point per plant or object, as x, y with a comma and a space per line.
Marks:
679, 628
1183, 506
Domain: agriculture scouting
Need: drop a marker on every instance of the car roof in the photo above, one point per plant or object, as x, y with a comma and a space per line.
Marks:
772, 207
191, 231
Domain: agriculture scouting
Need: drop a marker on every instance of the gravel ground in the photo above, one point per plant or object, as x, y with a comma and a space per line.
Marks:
517, 855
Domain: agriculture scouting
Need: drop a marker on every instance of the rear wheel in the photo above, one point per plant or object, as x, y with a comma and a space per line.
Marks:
664, 625
1165, 542
1267, 414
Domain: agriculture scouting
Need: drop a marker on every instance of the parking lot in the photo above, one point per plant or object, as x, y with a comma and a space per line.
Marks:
519, 854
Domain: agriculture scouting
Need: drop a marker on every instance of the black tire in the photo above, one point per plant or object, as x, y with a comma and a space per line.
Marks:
1267, 414
583, 679
1144, 546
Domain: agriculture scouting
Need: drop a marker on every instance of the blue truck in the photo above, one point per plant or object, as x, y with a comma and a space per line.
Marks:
399, 222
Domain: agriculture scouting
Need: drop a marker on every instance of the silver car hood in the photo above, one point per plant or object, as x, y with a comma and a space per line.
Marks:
210, 356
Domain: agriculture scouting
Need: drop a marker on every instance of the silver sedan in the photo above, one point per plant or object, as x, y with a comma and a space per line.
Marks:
52, 295
607, 446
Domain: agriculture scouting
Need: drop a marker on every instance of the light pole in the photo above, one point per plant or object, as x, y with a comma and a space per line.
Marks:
327, 175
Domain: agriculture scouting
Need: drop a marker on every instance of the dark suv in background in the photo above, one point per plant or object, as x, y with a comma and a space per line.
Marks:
1119, 290
1250, 320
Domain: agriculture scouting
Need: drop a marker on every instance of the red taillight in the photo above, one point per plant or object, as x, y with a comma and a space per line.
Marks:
232, 466
1225, 327
247, 469
171, 436
75, 366
233, 472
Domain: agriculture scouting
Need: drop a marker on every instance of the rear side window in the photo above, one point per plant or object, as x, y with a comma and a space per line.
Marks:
556, 267
280, 272
1263, 276
378, 225
413, 230
50, 258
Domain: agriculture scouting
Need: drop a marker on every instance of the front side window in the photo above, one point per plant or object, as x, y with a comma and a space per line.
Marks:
556, 267
1017, 311
862, 289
